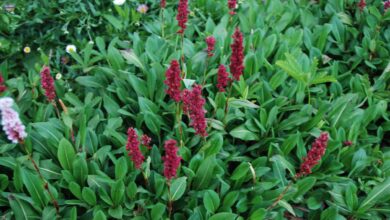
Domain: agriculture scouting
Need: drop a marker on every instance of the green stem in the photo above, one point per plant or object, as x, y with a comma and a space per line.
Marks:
227, 101
205, 71
162, 22
178, 121
308, 94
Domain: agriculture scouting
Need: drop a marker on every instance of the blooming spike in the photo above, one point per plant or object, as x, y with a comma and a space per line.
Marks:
171, 159
210, 41
237, 57
163, 3
362, 4
182, 15
145, 140
132, 147
173, 81
2, 86
222, 78
386, 5
193, 105
314, 155
232, 4
12, 125
47, 82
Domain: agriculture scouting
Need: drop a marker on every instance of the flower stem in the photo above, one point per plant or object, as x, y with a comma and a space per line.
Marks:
280, 197
170, 204
178, 121
227, 101
46, 184
205, 71
162, 22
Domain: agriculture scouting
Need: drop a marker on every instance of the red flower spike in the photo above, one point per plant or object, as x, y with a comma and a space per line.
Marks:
173, 81
347, 143
132, 147
163, 3
362, 4
232, 4
194, 106
222, 78
182, 15
2, 86
237, 57
47, 82
171, 159
314, 155
210, 41
386, 5
145, 140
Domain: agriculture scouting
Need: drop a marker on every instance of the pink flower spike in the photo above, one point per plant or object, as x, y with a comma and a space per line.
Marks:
237, 57
12, 125
132, 147
182, 15
194, 106
173, 81
210, 41
171, 159
314, 155
222, 78
47, 82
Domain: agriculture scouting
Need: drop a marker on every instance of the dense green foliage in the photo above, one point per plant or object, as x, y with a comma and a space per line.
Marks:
310, 67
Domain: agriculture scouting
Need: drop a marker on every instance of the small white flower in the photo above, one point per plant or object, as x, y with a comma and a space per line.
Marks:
71, 48
119, 2
26, 49
90, 42
58, 76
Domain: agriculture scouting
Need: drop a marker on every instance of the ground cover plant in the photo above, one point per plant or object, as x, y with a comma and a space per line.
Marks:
200, 109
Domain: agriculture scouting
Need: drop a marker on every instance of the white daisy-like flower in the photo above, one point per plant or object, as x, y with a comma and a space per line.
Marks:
58, 76
71, 49
26, 49
119, 2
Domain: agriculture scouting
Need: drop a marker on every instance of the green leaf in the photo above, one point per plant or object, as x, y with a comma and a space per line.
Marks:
116, 212
66, 154
224, 216
118, 192
239, 103
205, 172
158, 211
89, 196
121, 168
132, 58
304, 185
242, 133
292, 68
211, 201
380, 193
284, 163
34, 186
80, 169
178, 188
75, 189
21, 209
99, 216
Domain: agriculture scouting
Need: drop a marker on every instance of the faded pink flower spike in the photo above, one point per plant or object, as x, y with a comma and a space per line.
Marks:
12, 125
223, 78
